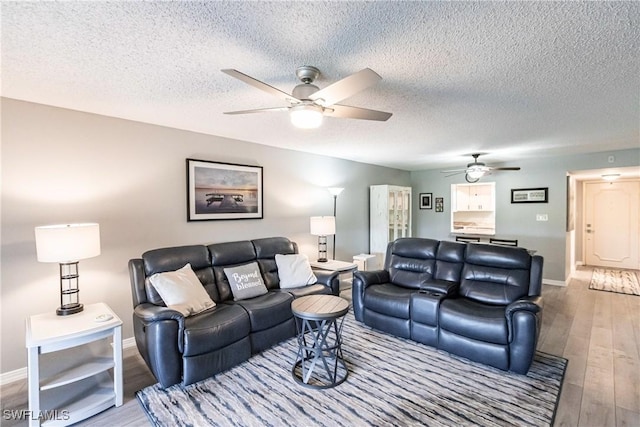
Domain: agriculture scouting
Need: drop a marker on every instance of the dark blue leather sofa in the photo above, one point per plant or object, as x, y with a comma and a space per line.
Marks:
479, 301
184, 350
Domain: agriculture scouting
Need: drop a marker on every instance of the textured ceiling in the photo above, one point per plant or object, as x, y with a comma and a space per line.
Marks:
511, 79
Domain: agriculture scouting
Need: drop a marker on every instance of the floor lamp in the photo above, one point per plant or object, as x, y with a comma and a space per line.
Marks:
335, 192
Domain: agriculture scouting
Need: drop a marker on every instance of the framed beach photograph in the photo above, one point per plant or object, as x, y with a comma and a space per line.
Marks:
425, 200
530, 195
223, 191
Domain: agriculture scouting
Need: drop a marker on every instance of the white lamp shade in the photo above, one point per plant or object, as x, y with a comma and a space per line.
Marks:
67, 242
306, 116
323, 225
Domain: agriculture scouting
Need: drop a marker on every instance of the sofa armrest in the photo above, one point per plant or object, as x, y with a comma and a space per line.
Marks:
331, 279
149, 314
524, 313
152, 313
524, 317
531, 304
362, 279
372, 277
440, 287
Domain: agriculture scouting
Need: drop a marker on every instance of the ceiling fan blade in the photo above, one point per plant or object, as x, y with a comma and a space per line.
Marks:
345, 111
260, 85
343, 89
258, 110
452, 173
454, 170
515, 168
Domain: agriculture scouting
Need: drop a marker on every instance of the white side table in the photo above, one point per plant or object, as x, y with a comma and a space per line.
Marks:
345, 269
69, 361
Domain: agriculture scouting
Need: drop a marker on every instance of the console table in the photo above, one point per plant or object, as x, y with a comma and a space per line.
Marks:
70, 359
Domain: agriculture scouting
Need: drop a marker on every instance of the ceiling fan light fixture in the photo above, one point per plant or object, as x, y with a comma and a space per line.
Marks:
306, 116
475, 173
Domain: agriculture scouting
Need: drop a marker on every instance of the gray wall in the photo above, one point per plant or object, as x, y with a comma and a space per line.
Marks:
519, 220
63, 166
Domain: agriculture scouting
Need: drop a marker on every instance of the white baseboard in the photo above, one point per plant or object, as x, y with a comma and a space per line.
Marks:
21, 374
11, 376
555, 282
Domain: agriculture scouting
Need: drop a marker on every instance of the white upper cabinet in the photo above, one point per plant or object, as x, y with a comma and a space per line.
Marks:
473, 208
473, 197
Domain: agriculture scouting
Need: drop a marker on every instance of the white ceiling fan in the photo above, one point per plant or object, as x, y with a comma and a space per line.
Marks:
476, 170
308, 103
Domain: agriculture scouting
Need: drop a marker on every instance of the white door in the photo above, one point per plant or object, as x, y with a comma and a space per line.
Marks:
612, 224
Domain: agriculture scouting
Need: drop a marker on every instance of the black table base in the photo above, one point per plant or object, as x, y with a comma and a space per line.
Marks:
320, 363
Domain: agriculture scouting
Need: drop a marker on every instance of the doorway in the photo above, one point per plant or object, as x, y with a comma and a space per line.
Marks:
611, 232
576, 237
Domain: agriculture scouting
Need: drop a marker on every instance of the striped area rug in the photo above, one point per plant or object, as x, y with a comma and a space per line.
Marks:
392, 381
619, 281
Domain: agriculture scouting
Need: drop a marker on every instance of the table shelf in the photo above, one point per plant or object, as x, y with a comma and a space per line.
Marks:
77, 373
74, 402
75, 365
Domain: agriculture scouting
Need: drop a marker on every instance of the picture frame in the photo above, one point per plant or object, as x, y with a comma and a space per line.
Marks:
439, 204
530, 195
223, 191
425, 200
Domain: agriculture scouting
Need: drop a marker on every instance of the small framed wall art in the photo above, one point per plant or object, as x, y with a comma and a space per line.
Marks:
530, 195
223, 191
439, 204
425, 200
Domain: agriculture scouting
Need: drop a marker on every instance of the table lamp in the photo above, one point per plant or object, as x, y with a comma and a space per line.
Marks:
322, 226
66, 244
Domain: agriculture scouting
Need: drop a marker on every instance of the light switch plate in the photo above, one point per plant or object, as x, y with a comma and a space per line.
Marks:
542, 217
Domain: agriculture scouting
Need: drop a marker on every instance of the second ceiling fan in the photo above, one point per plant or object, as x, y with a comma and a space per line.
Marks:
308, 103
476, 170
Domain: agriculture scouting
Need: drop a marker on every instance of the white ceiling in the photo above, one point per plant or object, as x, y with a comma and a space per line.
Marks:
510, 79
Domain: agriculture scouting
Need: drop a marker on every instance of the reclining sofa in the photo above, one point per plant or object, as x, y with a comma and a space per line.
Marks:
185, 349
479, 301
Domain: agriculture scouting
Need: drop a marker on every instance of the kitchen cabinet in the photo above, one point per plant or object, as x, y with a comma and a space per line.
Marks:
474, 197
389, 217
473, 209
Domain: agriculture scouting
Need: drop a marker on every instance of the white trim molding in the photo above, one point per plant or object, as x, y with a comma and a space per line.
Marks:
556, 282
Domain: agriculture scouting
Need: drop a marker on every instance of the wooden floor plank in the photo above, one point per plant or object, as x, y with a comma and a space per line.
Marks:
627, 383
570, 399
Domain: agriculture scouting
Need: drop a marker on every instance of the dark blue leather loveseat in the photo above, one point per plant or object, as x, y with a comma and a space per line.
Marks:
479, 301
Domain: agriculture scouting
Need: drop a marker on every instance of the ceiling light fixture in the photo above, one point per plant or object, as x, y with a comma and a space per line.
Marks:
474, 173
306, 116
611, 176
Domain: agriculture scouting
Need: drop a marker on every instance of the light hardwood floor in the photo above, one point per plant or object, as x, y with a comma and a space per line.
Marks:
599, 332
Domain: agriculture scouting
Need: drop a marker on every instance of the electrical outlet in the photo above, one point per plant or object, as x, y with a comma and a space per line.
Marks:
542, 217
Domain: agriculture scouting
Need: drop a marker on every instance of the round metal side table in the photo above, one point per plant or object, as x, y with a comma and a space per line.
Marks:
319, 320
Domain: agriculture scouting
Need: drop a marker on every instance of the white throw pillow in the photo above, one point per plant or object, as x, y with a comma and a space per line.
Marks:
294, 271
182, 291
